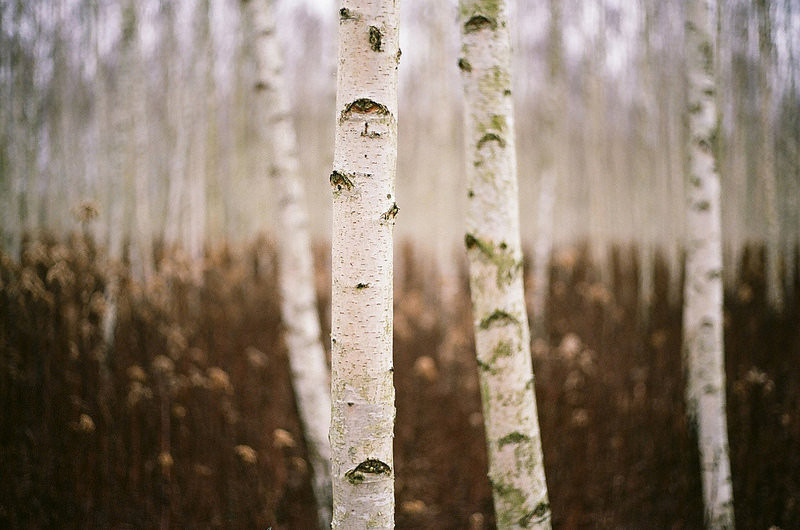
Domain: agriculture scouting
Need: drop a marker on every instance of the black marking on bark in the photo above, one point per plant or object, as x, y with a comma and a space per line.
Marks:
364, 106
484, 366
473, 242
360, 286
375, 37
464, 65
340, 180
397, 57
261, 85
470, 194
507, 92
367, 134
540, 513
704, 145
512, 438
390, 213
491, 137
479, 22
715, 274
350, 403
499, 317
371, 466
346, 14
702, 206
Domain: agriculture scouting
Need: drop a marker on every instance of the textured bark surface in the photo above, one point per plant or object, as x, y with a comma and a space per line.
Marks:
364, 208
502, 337
702, 318
310, 378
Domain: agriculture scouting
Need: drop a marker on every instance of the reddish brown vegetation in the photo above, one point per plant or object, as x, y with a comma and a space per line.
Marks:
196, 427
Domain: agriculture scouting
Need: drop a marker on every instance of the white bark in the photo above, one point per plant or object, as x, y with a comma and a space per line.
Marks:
702, 318
502, 337
296, 278
365, 155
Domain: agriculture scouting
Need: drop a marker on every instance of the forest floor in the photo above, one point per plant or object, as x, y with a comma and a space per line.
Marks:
193, 423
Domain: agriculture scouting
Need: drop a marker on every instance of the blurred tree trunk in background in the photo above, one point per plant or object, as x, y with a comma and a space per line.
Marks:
136, 126
644, 162
702, 317
502, 337
766, 151
179, 111
551, 171
310, 378
364, 209
201, 103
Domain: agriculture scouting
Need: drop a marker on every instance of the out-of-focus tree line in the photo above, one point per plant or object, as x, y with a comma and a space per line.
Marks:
135, 120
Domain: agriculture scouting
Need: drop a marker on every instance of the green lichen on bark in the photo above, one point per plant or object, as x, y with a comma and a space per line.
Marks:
489, 9
498, 318
512, 438
495, 81
513, 500
503, 349
499, 255
479, 22
491, 137
485, 367
464, 65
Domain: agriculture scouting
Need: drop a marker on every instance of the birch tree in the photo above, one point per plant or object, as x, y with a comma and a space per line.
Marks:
296, 281
364, 209
702, 312
551, 170
766, 153
502, 337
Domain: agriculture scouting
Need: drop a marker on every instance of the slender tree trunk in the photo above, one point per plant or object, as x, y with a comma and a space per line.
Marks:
766, 154
298, 299
702, 317
502, 337
141, 239
364, 208
551, 171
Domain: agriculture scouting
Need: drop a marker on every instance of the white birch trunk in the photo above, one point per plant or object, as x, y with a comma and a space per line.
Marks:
296, 280
365, 156
702, 317
502, 337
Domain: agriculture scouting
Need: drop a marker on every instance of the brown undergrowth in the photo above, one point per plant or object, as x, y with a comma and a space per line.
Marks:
195, 423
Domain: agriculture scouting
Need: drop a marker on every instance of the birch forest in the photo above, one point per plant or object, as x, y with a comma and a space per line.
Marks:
299, 264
